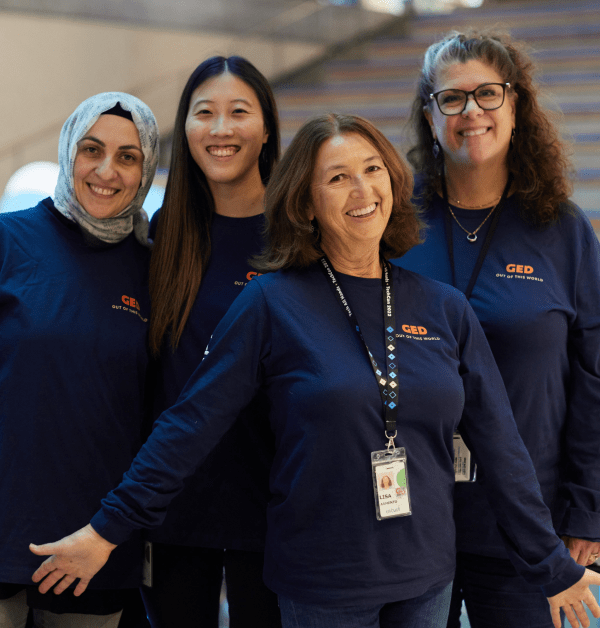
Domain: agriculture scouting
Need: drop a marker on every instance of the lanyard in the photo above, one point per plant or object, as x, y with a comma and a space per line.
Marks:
486, 243
387, 387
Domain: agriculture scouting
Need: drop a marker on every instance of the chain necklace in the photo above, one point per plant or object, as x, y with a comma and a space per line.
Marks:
457, 202
472, 235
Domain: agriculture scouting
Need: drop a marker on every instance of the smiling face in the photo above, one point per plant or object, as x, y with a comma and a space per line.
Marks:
108, 166
475, 136
351, 194
225, 130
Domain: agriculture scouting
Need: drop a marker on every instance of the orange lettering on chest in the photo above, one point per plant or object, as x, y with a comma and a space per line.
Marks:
130, 301
414, 329
520, 269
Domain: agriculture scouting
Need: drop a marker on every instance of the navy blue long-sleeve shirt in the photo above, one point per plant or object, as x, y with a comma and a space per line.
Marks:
73, 328
538, 299
199, 516
287, 335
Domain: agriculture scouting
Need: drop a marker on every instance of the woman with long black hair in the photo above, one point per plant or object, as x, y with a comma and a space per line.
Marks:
225, 143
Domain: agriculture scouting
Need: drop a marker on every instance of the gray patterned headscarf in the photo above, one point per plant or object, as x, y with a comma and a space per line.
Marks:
133, 217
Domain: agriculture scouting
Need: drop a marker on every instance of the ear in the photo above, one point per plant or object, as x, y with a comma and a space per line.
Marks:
429, 118
265, 135
310, 214
513, 109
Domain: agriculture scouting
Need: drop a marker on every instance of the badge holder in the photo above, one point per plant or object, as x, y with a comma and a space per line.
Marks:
390, 482
465, 469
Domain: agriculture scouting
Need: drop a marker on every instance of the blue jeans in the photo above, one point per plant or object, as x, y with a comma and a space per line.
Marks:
429, 610
496, 596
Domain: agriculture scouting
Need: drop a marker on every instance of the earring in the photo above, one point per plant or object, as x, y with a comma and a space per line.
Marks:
312, 228
436, 149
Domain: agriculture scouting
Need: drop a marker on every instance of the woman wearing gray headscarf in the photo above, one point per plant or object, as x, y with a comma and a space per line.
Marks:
74, 310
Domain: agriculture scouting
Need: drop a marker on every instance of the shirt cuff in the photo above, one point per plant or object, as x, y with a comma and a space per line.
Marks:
111, 529
571, 574
581, 524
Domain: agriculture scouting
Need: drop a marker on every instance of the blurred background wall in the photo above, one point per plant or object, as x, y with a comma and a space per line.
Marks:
359, 56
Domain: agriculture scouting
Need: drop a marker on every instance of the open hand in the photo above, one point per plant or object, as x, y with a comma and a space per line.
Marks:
79, 555
572, 602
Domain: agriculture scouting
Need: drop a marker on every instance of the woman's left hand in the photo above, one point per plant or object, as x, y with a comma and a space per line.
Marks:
583, 552
572, 600
79, 555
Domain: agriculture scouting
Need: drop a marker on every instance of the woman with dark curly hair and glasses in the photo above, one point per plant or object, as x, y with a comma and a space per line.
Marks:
493, 183
368, 369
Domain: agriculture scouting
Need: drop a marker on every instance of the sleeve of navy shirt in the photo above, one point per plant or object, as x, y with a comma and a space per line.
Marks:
186, 433
505, 469
582, 430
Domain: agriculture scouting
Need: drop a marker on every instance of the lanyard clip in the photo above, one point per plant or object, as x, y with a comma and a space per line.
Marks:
391, 446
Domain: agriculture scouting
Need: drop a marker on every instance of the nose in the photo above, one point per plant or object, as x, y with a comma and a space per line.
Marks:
359, 186
472, 109
221, 126
105, 169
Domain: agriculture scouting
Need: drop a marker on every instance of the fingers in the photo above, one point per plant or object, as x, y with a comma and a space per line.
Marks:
592, 603
555, 612
44, 569
50, 581
572, 617
582, 552
64, 584
581, 614
81, 587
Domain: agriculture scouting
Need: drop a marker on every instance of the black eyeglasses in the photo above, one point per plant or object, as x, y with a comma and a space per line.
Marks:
488, 96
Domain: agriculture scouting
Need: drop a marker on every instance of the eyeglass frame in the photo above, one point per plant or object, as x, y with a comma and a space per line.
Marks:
504, 86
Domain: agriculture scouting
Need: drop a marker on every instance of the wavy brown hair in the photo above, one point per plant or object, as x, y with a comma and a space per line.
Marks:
291, 242
181, 248
537, 158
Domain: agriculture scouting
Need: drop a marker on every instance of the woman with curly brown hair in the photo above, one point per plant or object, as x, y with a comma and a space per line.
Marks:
493, 183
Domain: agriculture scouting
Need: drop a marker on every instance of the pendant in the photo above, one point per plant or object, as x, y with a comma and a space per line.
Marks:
471, 237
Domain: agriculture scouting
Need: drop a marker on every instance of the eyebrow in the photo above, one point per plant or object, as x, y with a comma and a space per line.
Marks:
207, 100
97, 141
338, 166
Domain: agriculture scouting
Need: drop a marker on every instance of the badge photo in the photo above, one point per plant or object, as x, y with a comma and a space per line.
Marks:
390, 483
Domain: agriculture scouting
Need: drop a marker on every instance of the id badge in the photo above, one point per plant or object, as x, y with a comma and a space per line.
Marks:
390, 483
147, 565
465, 469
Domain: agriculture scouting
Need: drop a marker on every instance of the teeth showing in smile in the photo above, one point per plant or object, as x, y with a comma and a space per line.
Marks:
361, 212
474, 132
222, 151
103, 191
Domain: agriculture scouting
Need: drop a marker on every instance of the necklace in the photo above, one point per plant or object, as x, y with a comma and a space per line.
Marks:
472, 235
457, 202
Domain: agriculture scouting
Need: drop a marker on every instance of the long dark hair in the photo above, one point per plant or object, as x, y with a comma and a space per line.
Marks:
537, 158
182, 246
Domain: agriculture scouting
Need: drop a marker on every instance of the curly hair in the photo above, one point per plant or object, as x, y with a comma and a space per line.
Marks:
291, 240
537, 159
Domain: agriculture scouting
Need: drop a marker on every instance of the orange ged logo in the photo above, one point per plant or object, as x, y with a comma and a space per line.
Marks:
520, 269
414, 330
130, 301
519, 272
132, 305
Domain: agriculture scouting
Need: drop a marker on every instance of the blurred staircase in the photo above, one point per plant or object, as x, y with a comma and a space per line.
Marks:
377, 79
